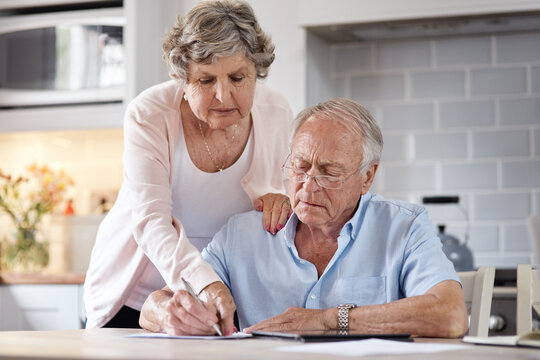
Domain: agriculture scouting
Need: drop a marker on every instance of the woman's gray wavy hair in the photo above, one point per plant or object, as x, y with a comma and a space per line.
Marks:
356, 118
215, 29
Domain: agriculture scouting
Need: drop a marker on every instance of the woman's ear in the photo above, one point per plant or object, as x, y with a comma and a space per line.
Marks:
369, 177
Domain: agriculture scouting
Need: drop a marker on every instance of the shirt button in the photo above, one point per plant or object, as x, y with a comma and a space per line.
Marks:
313, 296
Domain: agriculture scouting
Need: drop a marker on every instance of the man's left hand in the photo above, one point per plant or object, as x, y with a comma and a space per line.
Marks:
296, 318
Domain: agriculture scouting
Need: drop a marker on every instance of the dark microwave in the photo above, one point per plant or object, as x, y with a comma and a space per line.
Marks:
65, 58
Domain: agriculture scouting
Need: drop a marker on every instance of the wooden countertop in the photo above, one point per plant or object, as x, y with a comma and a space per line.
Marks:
113, 344
40, 278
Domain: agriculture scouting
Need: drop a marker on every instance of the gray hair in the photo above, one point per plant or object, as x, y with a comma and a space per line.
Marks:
213, 29
355, 118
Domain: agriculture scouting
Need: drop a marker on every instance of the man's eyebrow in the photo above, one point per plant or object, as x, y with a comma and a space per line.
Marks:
323, 164
332, 164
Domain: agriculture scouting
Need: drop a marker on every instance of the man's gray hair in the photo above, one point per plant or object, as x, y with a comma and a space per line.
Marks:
213, 29
356, 119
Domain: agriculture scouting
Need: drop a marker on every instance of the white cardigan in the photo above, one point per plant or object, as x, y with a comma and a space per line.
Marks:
140, 228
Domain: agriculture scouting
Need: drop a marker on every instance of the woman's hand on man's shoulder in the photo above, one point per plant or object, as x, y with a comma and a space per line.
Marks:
276, 210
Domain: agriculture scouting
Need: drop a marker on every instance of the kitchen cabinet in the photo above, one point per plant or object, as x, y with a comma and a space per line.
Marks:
41, 302
323, 12
40, 307
62, 118
144, 26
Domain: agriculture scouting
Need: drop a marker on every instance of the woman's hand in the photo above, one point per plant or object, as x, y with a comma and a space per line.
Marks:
276, 210
180, 314
217, 296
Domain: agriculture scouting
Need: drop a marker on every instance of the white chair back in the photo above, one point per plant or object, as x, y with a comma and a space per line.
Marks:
528, 297
534, 229
478, 292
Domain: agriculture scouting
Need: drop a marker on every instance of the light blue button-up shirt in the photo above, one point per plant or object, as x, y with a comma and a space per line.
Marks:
387, 251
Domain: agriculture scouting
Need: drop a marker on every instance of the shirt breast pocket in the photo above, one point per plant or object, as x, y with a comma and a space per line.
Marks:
369, 290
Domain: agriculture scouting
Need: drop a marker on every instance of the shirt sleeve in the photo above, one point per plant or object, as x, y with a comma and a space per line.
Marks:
147, 171
424, 264
215, 253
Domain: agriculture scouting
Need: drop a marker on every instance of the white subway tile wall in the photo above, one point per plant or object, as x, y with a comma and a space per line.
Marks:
466, 114
475, 175
459, 116
498, 80
519, 111
521, 174
462, 51
484, 238
517, 48
378, 87
500, 143
396, 148
441, 146
404, 55
535, 79
437, 84
515, 238
410, 116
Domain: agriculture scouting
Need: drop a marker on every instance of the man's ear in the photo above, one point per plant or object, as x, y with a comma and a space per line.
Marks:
369, 176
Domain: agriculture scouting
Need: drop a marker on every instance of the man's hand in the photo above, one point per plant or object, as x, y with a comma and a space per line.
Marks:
180, 314
276, 210
296, 318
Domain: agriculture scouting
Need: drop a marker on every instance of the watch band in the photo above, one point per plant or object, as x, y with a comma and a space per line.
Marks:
343, 317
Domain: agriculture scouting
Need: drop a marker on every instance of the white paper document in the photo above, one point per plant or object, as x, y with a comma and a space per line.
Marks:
371, 347
510, 340
237, 335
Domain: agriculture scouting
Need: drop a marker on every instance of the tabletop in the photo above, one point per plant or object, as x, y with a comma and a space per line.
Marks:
113, 344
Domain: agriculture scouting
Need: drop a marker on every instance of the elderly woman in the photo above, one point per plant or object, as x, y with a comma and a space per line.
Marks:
198, 149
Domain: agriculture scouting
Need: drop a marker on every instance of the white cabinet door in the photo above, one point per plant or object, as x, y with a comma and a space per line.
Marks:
93, 116
40, 307
324, 12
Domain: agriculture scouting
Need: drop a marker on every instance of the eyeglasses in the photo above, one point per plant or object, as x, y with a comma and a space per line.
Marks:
324, 181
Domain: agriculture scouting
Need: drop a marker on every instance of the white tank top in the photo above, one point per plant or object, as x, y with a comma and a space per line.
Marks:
202, 202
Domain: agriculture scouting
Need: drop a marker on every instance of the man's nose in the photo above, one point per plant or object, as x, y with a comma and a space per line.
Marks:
223, 91
311, 185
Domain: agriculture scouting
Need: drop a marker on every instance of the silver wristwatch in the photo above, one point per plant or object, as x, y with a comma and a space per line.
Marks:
343, 317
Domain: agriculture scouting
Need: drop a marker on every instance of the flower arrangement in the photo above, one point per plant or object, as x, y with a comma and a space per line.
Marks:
26, 200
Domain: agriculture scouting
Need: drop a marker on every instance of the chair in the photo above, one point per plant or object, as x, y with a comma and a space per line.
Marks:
478, 292
528, 297
528, 283
534, 229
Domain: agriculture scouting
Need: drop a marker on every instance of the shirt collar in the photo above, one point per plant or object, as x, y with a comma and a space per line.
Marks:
350, 228
353, 225
289, 231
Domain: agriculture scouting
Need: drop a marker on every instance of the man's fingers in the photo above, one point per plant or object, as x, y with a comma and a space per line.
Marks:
268, 324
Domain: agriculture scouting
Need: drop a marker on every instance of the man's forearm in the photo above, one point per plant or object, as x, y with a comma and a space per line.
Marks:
152, 308
441, 313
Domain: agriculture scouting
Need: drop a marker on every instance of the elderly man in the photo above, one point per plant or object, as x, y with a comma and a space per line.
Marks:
346, 259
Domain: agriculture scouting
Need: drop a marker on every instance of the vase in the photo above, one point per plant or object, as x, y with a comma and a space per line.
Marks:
22, 252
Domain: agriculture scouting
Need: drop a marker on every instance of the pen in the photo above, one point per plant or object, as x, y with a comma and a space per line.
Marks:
192, 293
